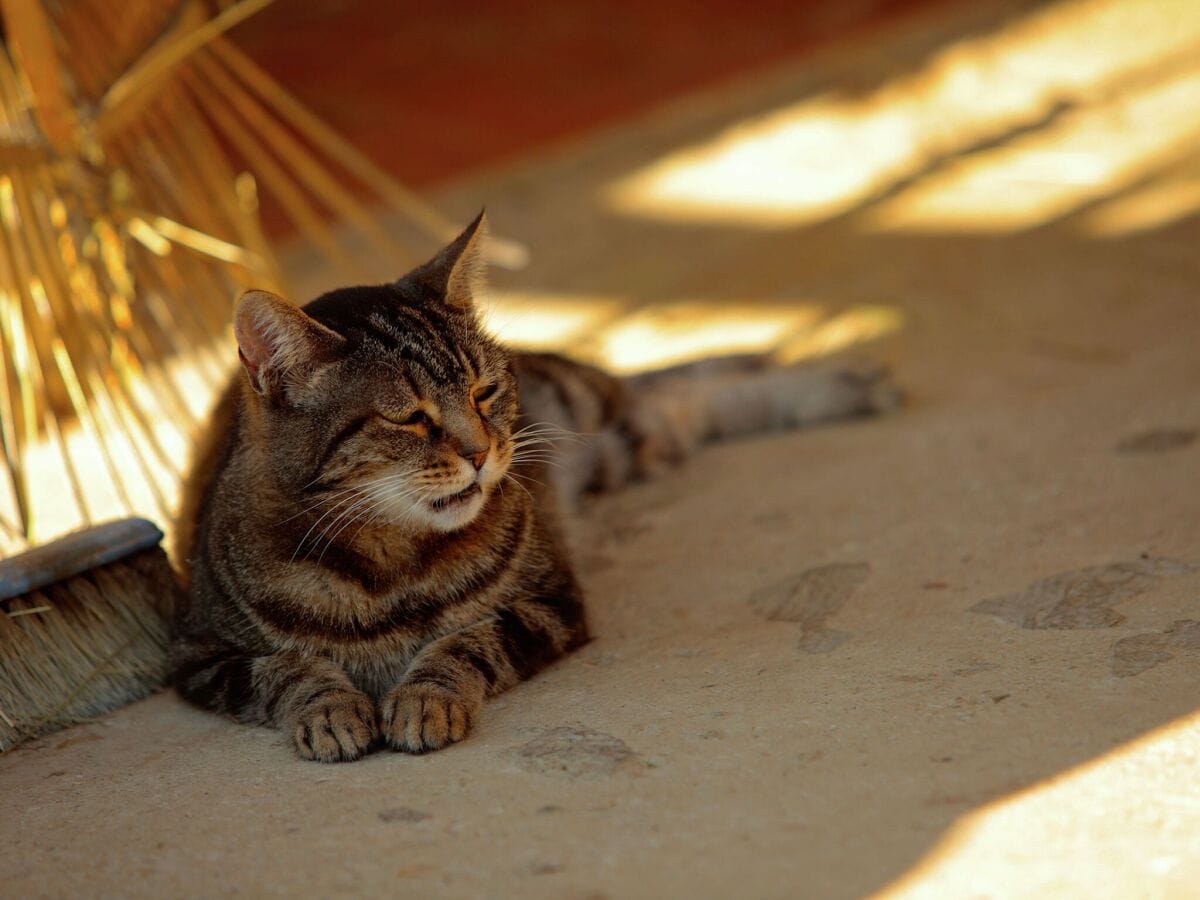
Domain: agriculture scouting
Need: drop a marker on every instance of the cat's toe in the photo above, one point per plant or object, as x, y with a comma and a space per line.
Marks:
337, 727
421, 717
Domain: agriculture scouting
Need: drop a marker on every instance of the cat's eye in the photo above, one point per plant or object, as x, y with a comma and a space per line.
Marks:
418, 419
485, 393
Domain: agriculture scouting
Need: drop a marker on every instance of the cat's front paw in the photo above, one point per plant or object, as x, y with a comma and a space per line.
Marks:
421, 717
335, 726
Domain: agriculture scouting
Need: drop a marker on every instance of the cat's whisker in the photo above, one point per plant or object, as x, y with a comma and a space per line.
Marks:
549, 441
366, 515
337, 499
534, 456
319, 476
546, 435
334, 536
544, 438
528, 455
389, 500
328, 535
382, 491
351, 494
534, 442
350, 498
510, 475
322, 501
540, 430
552, 428
550, 437
530, 427
522, 476
528, 452
340, 492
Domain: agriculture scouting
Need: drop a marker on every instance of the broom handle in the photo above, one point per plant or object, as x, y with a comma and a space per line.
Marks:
74, 554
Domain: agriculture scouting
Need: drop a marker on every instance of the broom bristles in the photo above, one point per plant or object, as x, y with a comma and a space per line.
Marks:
84, 646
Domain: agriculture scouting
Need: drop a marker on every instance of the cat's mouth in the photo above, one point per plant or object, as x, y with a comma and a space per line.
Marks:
455, 500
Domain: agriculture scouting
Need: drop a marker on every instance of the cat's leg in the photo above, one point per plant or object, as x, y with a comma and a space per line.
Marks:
309, 698
442, 693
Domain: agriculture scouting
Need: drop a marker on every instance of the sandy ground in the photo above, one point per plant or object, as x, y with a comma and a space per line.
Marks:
950, 652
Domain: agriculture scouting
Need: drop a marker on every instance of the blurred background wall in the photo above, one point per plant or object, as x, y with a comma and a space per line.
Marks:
431, 91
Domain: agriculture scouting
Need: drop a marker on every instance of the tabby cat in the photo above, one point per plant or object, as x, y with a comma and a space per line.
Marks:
371, 541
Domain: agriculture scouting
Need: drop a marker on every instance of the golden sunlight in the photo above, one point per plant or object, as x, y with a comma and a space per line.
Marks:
854, 326
1142, 797
1124, 105
546, 321
685, 331
1084, 156
1150, 206
625, 337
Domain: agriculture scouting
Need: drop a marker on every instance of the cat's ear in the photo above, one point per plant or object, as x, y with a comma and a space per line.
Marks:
457, 273
280, 344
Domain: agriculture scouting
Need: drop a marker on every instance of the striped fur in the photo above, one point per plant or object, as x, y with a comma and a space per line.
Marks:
371, 542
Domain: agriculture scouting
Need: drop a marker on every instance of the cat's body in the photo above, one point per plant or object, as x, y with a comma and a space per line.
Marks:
372, 541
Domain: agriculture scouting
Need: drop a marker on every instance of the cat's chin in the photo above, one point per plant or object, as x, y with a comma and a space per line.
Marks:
453, 512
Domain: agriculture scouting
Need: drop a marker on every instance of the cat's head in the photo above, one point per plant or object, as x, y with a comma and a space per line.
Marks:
385, 404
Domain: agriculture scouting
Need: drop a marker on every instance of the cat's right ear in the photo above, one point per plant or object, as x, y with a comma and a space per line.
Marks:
280, 345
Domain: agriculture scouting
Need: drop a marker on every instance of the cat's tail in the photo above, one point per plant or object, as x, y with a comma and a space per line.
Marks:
614, 430
674, 414
703, 406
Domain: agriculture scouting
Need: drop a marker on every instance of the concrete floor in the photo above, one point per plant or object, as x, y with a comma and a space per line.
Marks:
952, 652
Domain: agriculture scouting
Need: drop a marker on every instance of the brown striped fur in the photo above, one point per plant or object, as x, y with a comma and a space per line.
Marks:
332, 589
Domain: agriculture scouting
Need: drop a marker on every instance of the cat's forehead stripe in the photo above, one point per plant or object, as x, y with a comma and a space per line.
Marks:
419, 341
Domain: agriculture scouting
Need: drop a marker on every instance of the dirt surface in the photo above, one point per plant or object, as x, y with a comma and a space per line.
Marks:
948, 652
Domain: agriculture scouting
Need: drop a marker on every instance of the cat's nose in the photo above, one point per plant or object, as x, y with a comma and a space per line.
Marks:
475, 457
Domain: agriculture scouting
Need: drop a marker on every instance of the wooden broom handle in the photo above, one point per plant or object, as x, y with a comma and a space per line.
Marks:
74, 554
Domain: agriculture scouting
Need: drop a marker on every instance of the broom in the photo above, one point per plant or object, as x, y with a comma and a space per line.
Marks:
83, 624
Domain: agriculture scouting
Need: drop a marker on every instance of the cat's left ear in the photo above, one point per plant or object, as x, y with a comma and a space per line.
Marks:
458, 272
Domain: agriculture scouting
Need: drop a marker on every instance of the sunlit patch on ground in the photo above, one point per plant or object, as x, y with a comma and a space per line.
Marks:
1042, 842
1084, 156
802, 164
857, 325
679, 332
1060, 107
625, 337
1160, 203
544, 321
